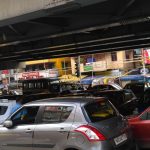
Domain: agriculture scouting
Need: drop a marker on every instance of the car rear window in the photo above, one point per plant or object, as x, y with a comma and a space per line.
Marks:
99, 111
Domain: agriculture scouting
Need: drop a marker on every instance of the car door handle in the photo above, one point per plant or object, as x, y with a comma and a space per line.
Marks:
62, 130
28, 131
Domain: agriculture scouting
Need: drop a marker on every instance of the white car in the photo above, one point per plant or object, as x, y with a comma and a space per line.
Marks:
5, 108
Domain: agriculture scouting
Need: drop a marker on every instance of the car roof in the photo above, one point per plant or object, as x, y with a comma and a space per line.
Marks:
67, 100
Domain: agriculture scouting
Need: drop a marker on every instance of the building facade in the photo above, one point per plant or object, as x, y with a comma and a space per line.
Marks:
105, 62
108, 63
63, 65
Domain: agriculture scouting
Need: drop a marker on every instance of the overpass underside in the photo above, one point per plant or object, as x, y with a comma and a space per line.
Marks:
74, 28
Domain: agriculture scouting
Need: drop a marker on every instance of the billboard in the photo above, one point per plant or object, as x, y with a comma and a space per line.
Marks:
96, 66
50, 73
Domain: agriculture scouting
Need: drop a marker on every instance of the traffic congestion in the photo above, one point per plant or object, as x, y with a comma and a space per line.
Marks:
74, 75
95, 113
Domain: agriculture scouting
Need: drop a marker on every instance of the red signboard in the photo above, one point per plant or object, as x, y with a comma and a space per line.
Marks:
34, 74
146, 55
5, 71
51, 73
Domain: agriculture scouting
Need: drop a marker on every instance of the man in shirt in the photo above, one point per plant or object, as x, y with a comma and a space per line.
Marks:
18, 104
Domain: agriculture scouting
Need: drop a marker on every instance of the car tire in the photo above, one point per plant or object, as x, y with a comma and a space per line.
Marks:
71, 149
137, 147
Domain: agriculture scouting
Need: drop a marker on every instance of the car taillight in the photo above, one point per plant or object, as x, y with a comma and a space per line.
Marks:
91, 133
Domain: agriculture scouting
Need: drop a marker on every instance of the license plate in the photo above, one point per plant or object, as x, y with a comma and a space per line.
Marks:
120, 139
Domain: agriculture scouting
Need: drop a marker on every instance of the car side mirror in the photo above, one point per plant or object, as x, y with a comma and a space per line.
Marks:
8, 124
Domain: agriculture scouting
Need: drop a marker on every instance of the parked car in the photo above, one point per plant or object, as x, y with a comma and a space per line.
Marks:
137, 88
124, 100
67, 124
140, 126
5, 108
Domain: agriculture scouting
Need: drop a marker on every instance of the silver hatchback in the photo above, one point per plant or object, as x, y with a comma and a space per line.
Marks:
66, 124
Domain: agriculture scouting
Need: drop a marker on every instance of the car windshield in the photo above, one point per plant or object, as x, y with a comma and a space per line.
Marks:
99, 111
3, 110
117, 86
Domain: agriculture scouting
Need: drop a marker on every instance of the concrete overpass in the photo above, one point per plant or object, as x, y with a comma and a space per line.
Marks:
15, 11
38, 29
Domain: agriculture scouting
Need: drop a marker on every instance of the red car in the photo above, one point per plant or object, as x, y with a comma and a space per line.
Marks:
140, 126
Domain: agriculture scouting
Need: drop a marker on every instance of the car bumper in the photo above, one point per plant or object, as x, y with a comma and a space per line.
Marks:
128, 145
